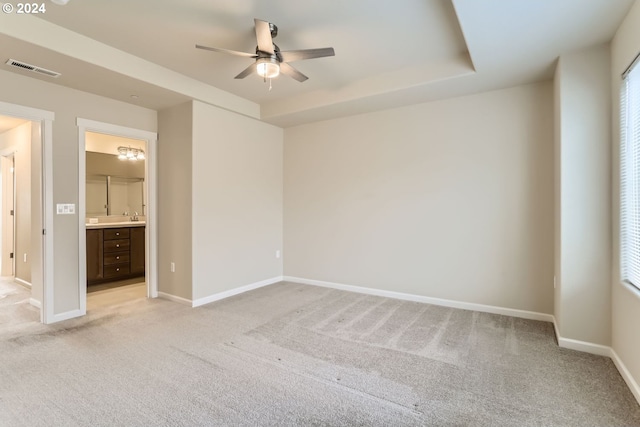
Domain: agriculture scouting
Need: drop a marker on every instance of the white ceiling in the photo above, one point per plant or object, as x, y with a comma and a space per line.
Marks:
388, 54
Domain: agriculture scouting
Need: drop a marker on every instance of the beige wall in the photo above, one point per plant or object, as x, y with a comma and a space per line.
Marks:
7, 203
237, 200
18, 140
68, 105
451, 199
625, 300
220, 203
175, 201
583, 265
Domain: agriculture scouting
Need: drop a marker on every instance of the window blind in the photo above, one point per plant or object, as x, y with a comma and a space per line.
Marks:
630, 176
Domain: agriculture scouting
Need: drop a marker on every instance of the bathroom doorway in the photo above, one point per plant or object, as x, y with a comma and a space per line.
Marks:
117, 208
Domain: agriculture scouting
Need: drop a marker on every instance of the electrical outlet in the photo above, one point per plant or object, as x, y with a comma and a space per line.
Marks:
173, 267
278, 254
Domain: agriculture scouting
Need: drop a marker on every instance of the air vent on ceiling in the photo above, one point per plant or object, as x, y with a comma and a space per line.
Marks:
34, 68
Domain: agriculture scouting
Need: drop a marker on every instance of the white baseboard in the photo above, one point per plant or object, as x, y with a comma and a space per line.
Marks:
67, 315
531, 315
221, 295
34, 302
235, 291
583, 346
22, 282
174, 298
626, 375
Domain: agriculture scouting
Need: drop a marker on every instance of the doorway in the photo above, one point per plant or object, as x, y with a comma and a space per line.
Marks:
16, 194
115, 208
25, 170
117, 223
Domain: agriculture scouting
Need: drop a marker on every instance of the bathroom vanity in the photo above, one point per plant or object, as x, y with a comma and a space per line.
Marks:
115, 251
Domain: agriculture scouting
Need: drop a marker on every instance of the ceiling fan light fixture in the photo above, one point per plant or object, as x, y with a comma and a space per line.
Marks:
268, 68
269, 59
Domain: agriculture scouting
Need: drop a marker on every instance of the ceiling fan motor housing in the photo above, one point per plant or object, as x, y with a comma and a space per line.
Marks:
276, 53
273, 28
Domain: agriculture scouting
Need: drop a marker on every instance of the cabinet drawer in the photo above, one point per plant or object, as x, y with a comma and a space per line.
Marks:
116, 258
116, 270
116, 233
116, 245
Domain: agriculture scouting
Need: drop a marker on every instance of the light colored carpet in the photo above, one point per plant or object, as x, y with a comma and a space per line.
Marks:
293, 354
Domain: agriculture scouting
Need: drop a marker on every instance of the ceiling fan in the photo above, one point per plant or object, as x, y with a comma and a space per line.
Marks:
270, 61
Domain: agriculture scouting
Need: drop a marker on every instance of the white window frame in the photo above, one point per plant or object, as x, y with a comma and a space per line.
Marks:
630, 175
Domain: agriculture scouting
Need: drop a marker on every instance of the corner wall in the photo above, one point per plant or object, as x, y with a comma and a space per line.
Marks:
451, 199
220, 202
625, 299
583, 195
175, 200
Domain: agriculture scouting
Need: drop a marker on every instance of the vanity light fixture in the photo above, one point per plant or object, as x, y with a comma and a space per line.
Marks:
128, 153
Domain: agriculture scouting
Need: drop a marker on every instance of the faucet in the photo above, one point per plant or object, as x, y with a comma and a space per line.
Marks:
135, 217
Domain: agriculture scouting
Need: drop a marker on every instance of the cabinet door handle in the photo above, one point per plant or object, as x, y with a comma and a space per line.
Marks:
117, 269
117, 234
117, 257
117, 246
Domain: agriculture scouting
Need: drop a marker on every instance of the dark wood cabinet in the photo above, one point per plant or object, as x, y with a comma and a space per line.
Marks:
137, 239
115, 254
94, 255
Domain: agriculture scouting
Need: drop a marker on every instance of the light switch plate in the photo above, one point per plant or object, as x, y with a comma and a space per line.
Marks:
65, 208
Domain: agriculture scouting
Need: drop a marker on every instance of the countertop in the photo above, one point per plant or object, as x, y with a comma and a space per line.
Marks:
116, 224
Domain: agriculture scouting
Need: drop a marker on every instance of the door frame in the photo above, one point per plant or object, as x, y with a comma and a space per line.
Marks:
44, 224
151, 260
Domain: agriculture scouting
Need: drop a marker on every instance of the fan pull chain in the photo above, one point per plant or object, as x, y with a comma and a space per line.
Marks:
270, 85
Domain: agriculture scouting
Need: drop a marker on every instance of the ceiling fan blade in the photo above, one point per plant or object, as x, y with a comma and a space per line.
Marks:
250, 69
298, 55
292, 72
232, 52
263, 34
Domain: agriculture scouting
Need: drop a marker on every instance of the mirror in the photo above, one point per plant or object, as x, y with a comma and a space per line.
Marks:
113, 186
